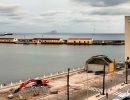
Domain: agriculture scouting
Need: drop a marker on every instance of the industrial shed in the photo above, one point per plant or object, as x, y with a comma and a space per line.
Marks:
96, 63
48, 40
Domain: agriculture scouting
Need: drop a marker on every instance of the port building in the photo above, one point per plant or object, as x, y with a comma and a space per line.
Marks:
8, 40
96, 64
48, 40
79, 41
25, 41
127, 36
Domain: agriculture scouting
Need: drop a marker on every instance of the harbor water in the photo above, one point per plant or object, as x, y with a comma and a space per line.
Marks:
20, 62
98, 36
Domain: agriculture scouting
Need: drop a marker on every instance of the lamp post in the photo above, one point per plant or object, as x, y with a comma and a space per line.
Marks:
103, 80
87, 81
68, 84
127, 61
114, 74
126, 73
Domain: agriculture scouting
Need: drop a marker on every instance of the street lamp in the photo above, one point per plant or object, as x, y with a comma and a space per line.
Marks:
68, 84
87, 81
103, 80
127, 62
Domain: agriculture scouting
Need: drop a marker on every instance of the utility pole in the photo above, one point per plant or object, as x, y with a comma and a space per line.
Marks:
68, 84
103, 80
87, 79
114, 74
126, 73
127, 62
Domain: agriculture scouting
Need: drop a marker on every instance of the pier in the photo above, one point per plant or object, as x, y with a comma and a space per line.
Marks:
108, 42
60, 41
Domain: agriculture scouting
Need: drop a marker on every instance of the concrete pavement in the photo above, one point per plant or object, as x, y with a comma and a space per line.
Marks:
112, 92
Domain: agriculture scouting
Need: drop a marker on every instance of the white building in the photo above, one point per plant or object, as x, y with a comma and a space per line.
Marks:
127, 36
96, 64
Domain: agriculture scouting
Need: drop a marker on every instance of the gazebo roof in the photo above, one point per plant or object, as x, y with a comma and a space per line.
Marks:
99, 59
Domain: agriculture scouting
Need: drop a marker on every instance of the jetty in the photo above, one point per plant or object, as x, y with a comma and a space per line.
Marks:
69, 41
108, 42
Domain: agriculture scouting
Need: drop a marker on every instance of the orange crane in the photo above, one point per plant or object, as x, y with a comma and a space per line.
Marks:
36, 82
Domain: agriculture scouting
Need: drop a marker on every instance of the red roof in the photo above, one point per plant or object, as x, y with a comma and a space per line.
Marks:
46, 38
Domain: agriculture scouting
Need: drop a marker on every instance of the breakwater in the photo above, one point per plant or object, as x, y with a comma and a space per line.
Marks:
69, 41
108, 42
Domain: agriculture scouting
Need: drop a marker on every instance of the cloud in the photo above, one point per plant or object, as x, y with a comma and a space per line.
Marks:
52, 13
52, 16
4, 23
84, 20
8, 10
42, 20
16, 17
92, 19
102, 3
111, 11
11, 11
67, 16
117, 10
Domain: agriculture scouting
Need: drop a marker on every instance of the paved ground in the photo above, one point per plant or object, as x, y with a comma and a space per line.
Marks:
116, 93
77, 81
82, 85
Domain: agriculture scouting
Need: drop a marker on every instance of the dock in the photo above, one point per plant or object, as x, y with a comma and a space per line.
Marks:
60, 41
108, 42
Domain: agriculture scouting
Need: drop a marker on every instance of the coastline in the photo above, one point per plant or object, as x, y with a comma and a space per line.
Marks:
81, 83
95, 42
49, 77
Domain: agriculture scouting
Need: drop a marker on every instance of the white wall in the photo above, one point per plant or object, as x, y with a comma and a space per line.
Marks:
96, 67
127, 36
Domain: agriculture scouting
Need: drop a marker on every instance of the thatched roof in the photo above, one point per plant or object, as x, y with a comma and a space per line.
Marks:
99, 59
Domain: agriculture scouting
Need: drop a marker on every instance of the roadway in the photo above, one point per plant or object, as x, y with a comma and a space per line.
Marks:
113, 95
111, 80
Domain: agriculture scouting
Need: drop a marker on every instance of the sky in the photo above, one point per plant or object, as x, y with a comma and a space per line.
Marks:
75, 16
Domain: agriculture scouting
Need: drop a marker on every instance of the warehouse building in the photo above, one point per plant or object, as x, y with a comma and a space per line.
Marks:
25, 41
48, 40
79, 41
8, 40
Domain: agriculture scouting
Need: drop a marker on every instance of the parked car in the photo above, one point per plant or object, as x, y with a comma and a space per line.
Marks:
122, 96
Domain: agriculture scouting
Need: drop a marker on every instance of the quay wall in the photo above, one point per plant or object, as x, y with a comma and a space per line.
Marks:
94, 42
